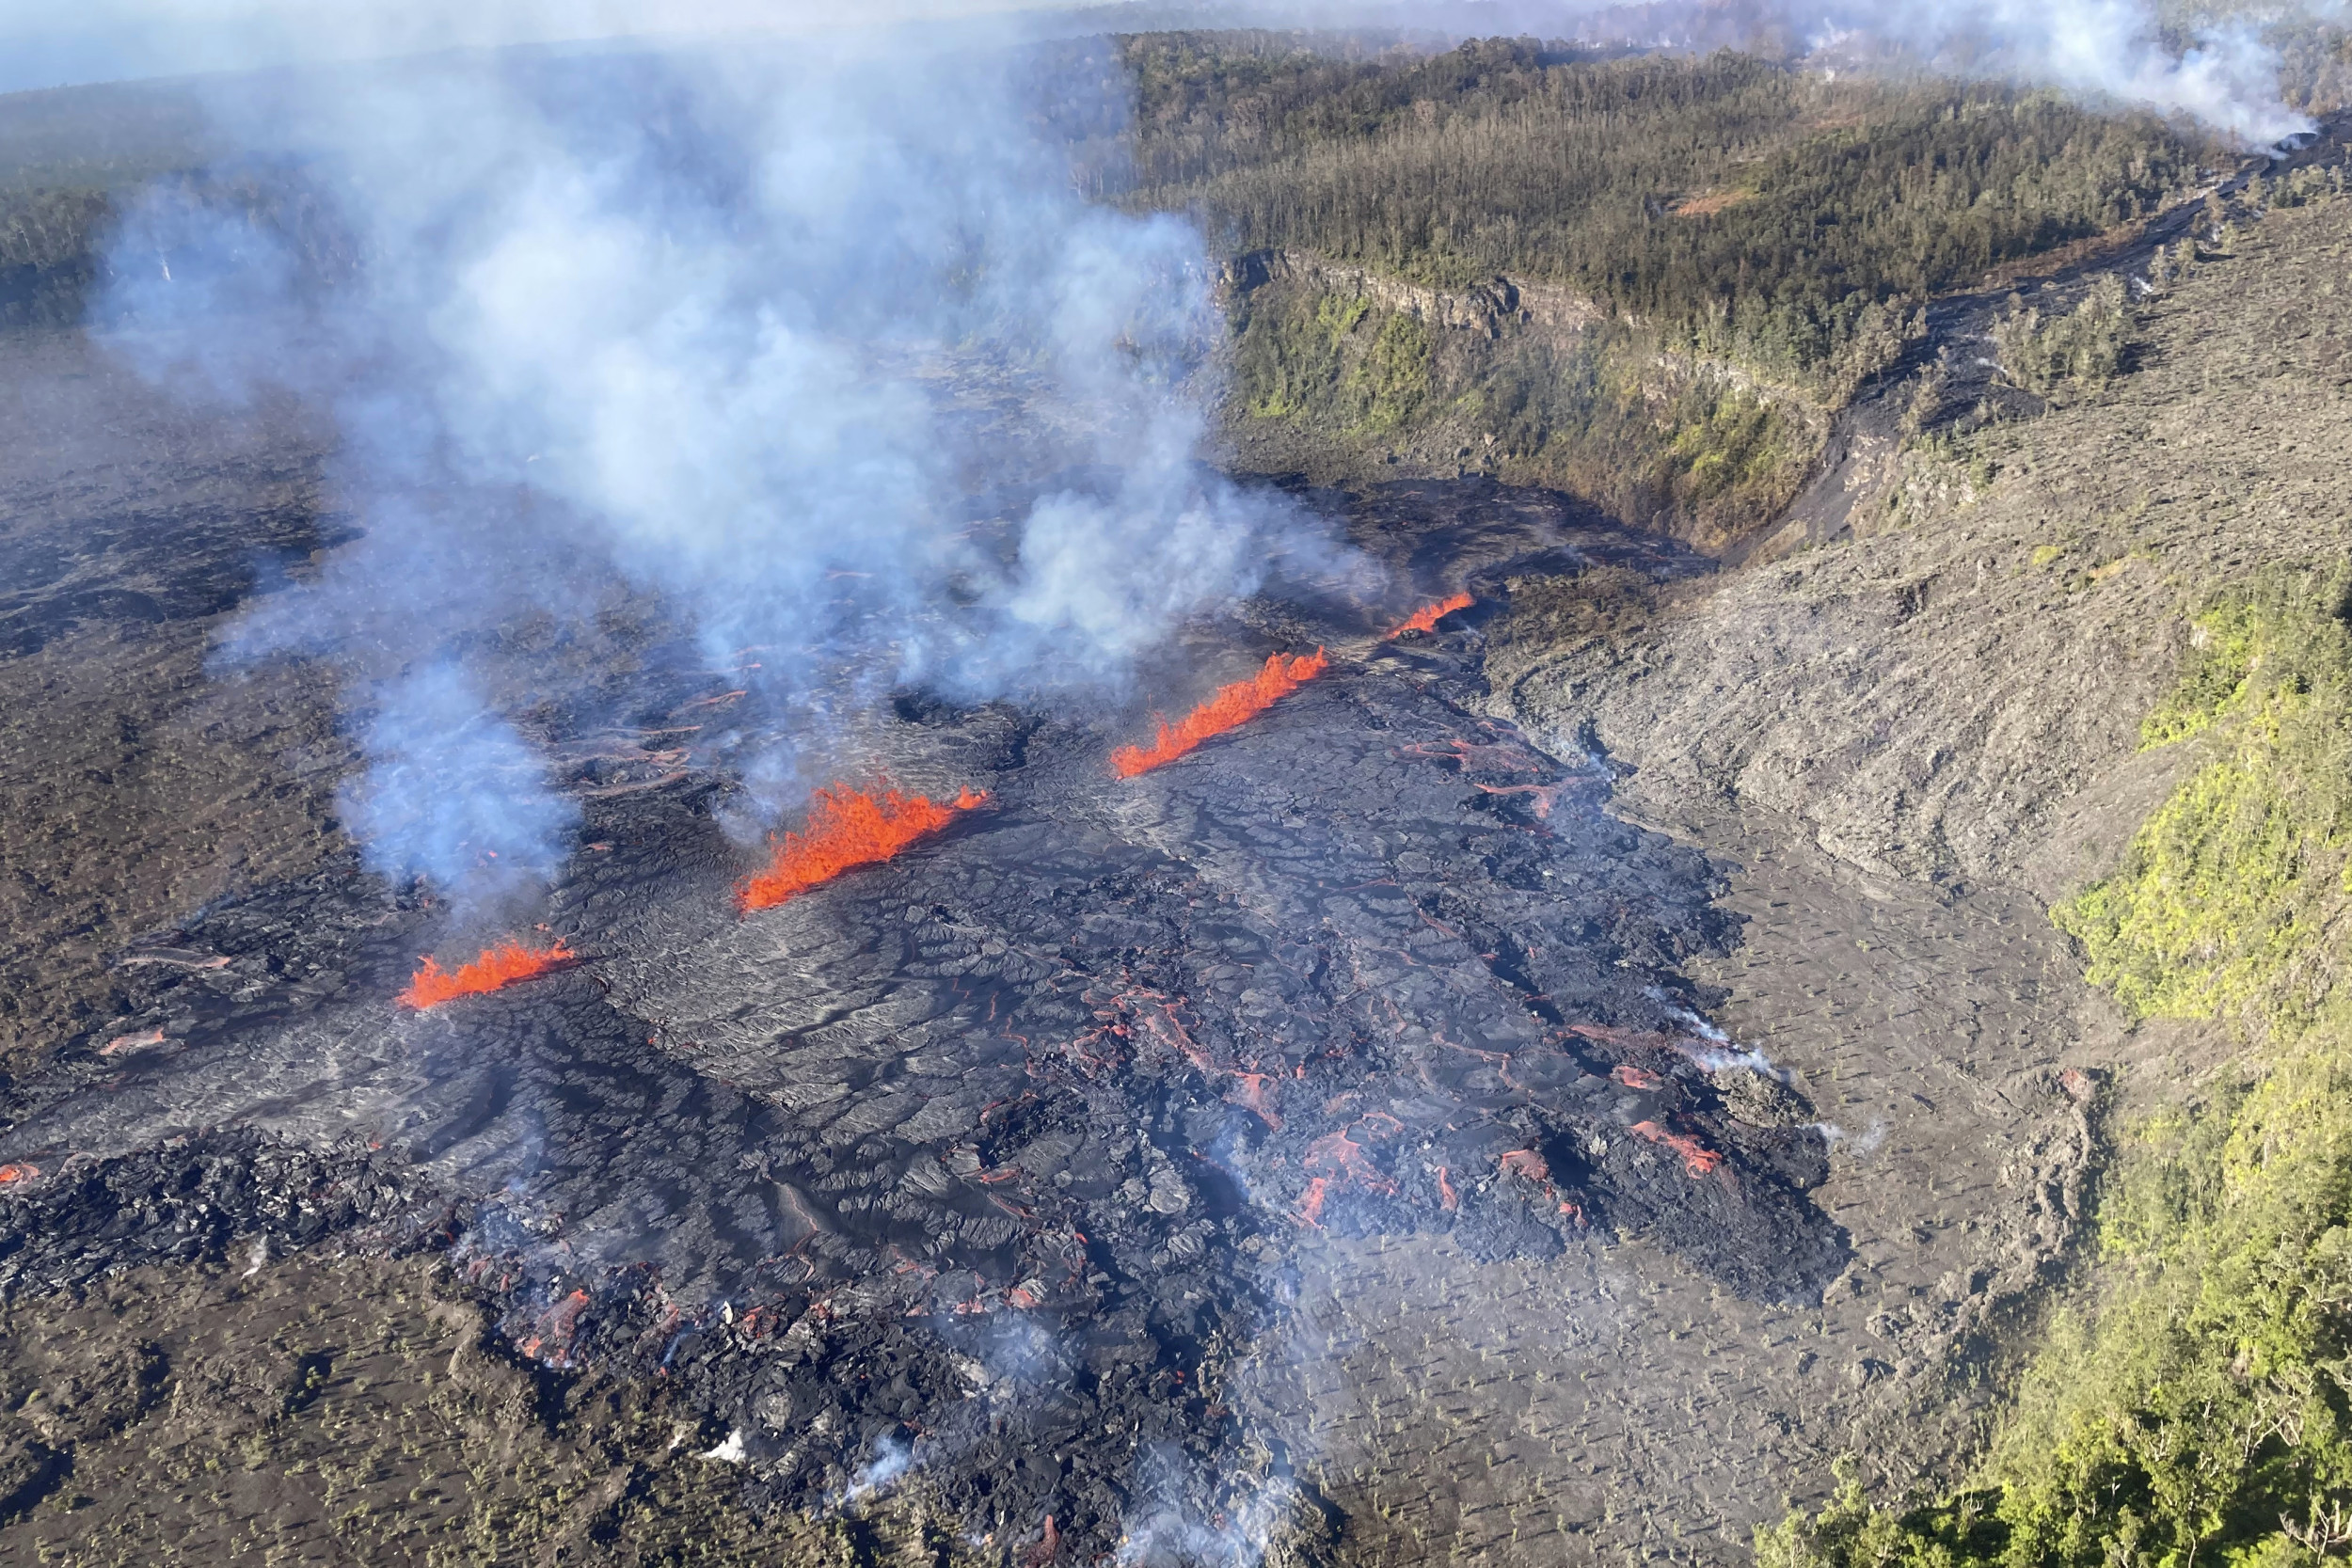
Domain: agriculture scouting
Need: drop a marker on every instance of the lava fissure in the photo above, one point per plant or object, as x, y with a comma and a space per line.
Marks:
1230, 706
1069, 1085
508, 963
1425, 619
848, 827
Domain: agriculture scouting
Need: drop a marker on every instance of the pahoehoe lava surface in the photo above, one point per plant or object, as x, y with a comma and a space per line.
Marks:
990, 1157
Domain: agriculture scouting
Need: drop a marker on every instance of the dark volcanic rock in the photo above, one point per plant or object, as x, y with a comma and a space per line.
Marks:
988, 1161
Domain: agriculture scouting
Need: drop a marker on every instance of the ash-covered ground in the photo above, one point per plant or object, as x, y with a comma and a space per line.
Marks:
994, 1165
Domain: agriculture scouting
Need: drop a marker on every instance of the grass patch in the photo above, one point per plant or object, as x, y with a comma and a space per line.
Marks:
2202, 1412
2226, 890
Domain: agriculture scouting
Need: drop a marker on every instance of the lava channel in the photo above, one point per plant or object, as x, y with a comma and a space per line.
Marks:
1428, 615
847, 828
1232, 706
499, 967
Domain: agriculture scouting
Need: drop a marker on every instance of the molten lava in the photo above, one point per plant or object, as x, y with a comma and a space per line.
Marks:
1232, 706
847, 828
1428, 615
1697, 1159
499, 967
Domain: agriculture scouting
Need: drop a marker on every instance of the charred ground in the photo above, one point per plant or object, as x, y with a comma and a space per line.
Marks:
1003, 1149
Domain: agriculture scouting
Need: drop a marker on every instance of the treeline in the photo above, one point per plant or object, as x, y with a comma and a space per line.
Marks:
1743, 206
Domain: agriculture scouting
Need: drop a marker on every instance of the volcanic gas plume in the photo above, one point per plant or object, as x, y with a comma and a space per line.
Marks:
1232, 706
848, 827
499, 967
1428, 615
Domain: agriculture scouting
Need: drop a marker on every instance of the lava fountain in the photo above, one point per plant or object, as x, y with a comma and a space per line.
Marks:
509, 963
1230, 706
848, 827
1428, 615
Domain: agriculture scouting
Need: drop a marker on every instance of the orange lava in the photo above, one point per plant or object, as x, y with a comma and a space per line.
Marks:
1428, 615
18, 1173
1634, 1078
1340, 1153
1697, 1159
1252, 1096
1346, 1161
1527, 1163
1232, 706
847, 828
1532, 1167
499, 967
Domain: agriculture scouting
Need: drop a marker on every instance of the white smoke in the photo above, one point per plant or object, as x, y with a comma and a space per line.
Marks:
2226, 78
708, 322
892, 1460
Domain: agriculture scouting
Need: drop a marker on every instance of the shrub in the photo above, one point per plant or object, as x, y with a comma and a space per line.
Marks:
2204, 1413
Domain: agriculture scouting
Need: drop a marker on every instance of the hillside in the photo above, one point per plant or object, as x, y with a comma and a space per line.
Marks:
2099, 655
1651, 280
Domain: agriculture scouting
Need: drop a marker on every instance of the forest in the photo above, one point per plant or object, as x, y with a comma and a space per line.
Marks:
1741, 207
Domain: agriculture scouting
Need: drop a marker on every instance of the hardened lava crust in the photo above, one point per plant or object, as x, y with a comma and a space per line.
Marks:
990, 1161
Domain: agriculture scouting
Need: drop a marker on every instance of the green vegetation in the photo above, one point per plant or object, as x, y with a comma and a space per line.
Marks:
1743, 209
2202, 1412
1688, 447
1729, 250
2227, 893
2083, 348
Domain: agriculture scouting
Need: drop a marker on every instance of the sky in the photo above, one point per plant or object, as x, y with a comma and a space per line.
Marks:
44, 43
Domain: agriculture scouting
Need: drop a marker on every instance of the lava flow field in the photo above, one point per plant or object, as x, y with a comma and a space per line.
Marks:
982, 1154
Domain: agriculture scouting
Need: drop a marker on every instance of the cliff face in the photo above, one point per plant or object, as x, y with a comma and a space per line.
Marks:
1351, 376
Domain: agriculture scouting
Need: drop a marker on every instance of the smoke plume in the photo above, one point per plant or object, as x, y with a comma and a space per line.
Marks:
820, 349
2218, 63
2221, 71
